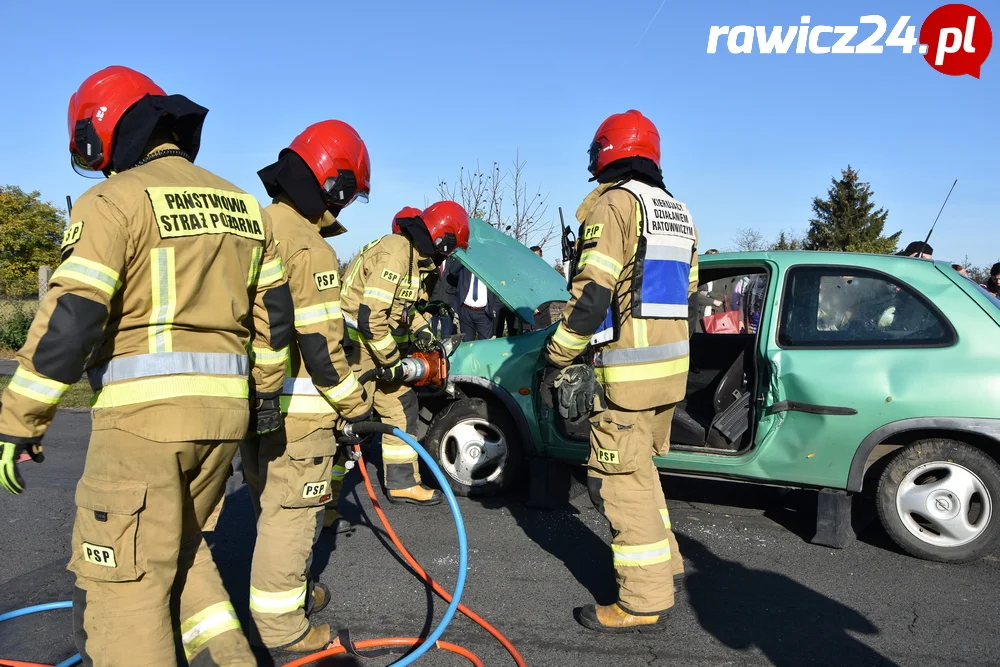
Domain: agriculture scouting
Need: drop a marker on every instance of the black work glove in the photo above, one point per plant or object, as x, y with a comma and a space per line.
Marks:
547, 387
576, 387
10, 453
425, 340
265, 416
391, 373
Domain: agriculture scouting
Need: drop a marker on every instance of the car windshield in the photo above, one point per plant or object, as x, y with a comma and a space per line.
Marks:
995, 301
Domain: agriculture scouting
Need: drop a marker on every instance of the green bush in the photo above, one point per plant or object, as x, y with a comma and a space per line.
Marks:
14, 325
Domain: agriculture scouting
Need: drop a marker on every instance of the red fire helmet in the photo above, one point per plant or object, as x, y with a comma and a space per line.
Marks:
338, 159
448, 224
95, 109
406, 212
623, 135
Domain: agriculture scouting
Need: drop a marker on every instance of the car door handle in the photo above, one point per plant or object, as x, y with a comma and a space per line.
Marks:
795, 406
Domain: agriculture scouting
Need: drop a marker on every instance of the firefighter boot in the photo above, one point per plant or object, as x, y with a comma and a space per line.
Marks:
318, 600
316, 639
415, 495
613, 619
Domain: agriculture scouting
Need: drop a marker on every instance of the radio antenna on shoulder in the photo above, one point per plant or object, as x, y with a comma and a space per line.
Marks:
926, 240
69, 206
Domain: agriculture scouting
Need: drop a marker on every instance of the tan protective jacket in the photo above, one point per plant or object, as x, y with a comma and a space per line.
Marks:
381, 286
316, 381
647, 366
154, 297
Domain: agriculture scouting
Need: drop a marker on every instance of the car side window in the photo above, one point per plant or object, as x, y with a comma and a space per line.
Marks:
835, 307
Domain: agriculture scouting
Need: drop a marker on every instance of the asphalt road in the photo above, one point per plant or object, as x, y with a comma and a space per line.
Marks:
757, 592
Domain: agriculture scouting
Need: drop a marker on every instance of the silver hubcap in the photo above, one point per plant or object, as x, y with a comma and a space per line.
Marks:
473, 452
944, 504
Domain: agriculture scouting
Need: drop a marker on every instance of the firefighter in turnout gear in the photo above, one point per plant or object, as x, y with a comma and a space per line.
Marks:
637, 266
161, 266
294, 470
380, 288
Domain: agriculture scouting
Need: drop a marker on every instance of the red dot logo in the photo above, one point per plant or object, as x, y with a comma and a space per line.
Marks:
956, 40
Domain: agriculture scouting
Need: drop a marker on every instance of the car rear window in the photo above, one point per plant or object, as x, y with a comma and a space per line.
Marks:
850, 307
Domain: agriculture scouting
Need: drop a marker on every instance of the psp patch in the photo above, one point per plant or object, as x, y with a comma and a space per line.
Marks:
391, 276
72, 235
98, 555
314, 489
326, 280
591, 232
607, 456
408, 294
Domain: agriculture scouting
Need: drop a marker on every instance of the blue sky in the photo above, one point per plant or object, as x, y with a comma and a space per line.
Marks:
748, 140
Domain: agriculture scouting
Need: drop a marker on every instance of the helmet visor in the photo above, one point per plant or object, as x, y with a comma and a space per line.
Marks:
81, 167
594, 152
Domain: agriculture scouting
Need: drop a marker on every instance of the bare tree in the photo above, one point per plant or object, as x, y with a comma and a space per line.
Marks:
504, 200
749, 240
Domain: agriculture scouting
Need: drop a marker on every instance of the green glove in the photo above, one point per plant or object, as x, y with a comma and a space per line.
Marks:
10, 478
390, 374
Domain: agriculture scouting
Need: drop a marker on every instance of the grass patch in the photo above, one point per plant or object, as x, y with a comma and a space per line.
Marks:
77, 396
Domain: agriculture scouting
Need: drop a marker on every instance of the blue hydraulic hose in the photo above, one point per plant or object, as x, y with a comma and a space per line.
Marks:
48, 606
463, 551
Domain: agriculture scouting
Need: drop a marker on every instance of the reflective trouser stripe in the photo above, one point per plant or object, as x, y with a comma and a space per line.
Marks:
263, 356
277, 603
271, 272
161, 317
377, 294
665, 515
36, 387
398, 453
568, 339
599, 260
640, 354
168, 363
642, 554
206, 625
320, 312
255, 258
639, 372
90, 273
172, 386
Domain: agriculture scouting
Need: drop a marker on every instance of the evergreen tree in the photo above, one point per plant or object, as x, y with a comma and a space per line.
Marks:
847, 219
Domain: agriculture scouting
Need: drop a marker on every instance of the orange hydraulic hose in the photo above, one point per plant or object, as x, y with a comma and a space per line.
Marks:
506, 643
20, 663
378, 643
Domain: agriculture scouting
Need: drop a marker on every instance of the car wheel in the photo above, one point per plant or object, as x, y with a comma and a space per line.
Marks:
937, 499
476, 445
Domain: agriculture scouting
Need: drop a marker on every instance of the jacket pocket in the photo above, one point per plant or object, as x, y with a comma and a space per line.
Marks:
106, 533
309, 466
614, 447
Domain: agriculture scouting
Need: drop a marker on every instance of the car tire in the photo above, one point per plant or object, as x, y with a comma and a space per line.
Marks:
477, 446
938, 500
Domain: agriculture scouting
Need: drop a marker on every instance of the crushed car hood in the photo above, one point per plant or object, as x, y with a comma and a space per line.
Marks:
521, 279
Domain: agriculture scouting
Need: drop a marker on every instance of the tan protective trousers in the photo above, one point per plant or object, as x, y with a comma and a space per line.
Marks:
395, 404
625, 487
289, 485
144, 575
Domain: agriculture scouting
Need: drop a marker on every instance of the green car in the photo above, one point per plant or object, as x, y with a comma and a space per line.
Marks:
846, 372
